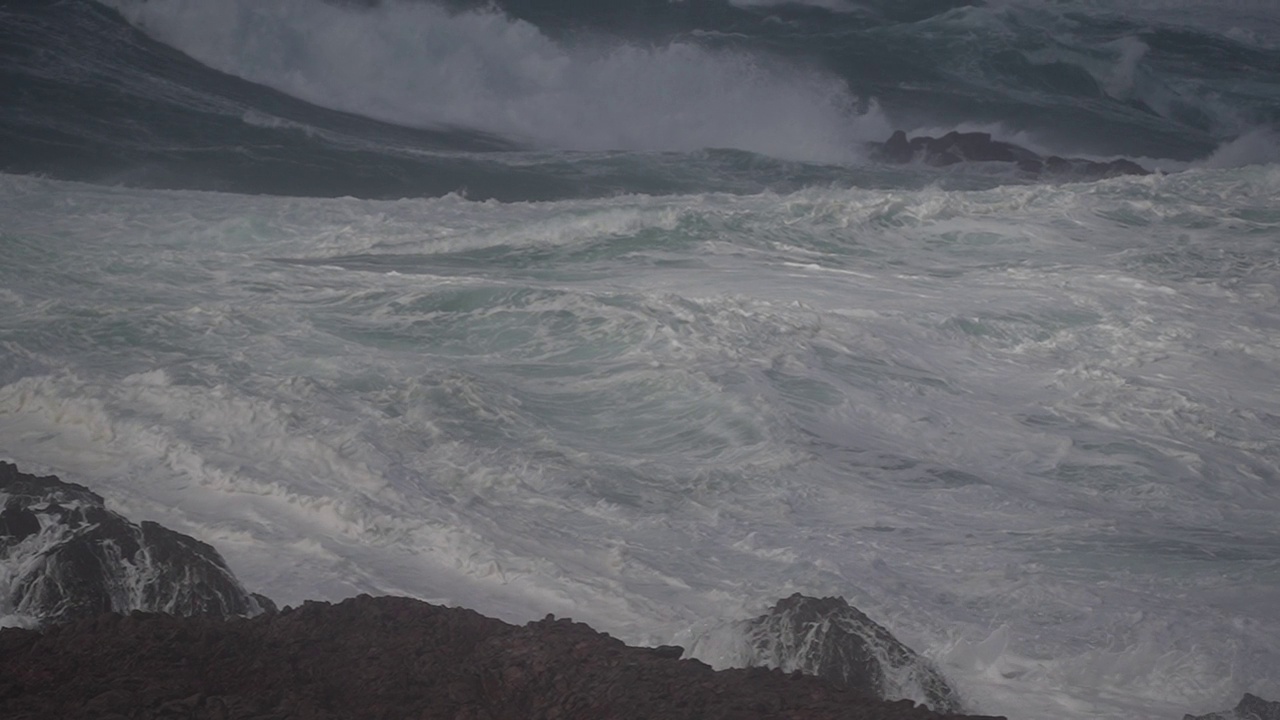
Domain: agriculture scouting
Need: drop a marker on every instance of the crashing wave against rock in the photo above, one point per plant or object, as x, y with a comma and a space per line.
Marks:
68, 563
829, 638
64, 556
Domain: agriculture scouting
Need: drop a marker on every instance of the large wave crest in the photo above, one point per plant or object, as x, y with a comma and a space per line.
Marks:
419, 64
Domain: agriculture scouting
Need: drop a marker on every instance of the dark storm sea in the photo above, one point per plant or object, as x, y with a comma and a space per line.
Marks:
599, 309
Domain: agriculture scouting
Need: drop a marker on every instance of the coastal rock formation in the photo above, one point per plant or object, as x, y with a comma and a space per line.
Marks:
64, 556
389, 658
206, 649
958, 147
828, 638
1250, 707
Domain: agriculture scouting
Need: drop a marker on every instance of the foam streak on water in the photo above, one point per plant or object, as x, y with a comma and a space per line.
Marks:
1033, 430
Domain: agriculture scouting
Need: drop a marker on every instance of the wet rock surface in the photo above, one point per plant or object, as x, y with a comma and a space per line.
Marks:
389, 658
958, 147
64, 556
828, 638
1250, 707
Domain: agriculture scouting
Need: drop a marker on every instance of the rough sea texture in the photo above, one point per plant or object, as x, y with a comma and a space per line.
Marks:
598, 309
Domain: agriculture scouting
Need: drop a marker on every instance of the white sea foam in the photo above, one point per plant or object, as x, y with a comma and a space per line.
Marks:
419, 64
1260, 146
1120, 83
1031, 430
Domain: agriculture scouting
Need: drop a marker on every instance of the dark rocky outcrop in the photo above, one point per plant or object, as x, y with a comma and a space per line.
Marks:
958, 147
828, 638
1250, 707
207, 649
65, 556
389, 658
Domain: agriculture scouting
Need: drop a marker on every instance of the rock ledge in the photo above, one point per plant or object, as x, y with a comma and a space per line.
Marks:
389, 657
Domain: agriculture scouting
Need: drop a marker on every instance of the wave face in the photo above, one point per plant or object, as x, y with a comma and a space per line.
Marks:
404, 99
423, 65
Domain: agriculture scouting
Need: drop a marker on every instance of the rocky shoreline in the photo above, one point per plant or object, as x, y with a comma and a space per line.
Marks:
389, 657
122, 620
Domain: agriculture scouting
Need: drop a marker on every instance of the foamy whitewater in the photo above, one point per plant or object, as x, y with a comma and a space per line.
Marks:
601, 312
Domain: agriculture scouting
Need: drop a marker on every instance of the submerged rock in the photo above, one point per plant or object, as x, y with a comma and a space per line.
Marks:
829, 638
958, 147
1250, 707
390, 658
64, 556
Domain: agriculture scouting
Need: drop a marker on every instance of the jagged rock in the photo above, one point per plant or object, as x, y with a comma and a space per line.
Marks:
1250, 707
675, 652
829, 638
267, 604
958, 147
390, 658
64, 556
952, 148
1086, 169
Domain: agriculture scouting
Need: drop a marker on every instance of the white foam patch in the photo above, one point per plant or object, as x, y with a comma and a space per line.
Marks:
1120, 82
419, 64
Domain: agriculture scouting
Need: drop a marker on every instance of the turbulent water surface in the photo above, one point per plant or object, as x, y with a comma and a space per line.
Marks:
598, 308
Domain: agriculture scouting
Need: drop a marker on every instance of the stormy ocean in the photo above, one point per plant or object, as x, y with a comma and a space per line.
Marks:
599, 308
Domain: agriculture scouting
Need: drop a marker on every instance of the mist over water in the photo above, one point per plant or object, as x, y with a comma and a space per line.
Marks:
598, 309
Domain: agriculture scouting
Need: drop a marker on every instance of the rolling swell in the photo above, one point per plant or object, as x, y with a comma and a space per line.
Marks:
90, 98
1091, 77
539, 101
